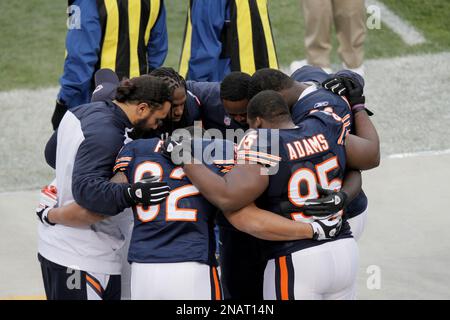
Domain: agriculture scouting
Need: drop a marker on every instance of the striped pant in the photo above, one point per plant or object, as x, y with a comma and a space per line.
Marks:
65, 283
324, 272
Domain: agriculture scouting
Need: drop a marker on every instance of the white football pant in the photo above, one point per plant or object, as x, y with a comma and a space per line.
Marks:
324, 272
174, 281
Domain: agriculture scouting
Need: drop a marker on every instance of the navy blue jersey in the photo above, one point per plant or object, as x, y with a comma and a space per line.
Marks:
313, 153
213, 113
181, 228
322, 98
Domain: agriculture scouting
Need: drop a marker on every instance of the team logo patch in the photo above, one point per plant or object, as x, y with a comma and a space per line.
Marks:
321, 104
227, 120
138, 193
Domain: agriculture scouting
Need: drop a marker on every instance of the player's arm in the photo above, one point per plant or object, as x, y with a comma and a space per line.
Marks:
239, 187
266, 225
75, 216
91, 185
207, 93
363, 148
82, 46
352, 184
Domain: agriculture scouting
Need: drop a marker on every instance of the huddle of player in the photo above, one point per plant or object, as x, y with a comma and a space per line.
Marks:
287, 198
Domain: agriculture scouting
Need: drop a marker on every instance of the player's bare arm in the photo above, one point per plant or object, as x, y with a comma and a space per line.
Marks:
75, 216
352, 184
366, 154
238, 188
363, 148
267, 225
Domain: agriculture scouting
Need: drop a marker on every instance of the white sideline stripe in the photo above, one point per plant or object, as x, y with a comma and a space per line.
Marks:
24, 93
418, 154
410, 35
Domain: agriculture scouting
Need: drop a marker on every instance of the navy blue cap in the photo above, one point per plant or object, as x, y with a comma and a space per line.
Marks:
106, 83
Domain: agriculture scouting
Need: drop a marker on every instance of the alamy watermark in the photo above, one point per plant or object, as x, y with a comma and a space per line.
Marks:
262, 147
374, 17
74, 279
74, 17
373, 281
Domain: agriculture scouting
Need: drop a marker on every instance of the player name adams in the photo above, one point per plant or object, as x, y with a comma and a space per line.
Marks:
307, 147
227, 309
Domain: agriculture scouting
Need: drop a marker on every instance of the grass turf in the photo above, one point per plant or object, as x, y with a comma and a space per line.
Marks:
33, 31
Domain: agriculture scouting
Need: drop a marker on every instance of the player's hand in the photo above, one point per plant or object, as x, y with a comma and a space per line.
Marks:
347, 87
58, 114
47, 201
169, 145
148, 191
176, 149
326, 229
329, 203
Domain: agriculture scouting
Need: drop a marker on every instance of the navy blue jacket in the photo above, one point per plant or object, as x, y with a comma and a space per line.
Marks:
101, 129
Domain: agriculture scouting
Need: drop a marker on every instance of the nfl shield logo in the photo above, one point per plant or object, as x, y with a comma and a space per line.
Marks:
227, 120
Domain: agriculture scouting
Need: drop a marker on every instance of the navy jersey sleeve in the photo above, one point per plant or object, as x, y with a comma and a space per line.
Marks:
317, 74
92, 170
335, 127
352, 75
259, 146
193, 107
207, 93
213, 114
124, 160
225, 162
218, 154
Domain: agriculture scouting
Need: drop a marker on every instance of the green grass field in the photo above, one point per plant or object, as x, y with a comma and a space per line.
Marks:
33, 31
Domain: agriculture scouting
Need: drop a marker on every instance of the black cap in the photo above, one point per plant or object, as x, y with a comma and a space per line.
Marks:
106, 83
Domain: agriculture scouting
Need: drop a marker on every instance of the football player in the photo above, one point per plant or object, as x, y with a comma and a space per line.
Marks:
303, 92
239, 254
314, 152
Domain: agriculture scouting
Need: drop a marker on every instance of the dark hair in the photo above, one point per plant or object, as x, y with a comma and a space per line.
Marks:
268, 105
268, 79
234, 86
148, 89
193, 131
170, 76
